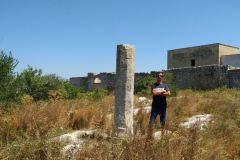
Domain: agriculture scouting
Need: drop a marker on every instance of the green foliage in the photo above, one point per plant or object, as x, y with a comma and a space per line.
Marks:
71, 92
142, 86
35, 84
168, 77
7, 66
28, 132
8, 90
97, 94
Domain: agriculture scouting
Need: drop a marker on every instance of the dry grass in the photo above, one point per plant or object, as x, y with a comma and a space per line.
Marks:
25, 131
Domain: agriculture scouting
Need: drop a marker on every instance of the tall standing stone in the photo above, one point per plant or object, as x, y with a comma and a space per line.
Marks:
123, 116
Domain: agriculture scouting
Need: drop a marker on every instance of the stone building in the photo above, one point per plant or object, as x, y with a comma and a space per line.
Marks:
198, 67
95, 81
211, 54
205, 67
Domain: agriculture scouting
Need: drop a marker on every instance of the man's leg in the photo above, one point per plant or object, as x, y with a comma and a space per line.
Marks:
154, 113
163, 116
153, 116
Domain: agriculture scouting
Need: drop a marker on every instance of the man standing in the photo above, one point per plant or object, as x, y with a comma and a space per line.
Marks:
159, 91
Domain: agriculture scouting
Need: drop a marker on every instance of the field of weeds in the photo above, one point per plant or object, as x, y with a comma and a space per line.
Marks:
26, 132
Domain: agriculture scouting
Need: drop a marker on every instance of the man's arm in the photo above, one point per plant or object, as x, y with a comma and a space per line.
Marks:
166, 93
154, 91
157, 92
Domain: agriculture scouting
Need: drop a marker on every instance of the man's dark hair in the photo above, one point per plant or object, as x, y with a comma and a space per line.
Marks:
159, 72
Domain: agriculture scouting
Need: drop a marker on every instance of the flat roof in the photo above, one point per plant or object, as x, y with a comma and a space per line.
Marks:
213, 44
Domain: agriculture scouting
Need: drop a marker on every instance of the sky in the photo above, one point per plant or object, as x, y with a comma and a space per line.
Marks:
70, 38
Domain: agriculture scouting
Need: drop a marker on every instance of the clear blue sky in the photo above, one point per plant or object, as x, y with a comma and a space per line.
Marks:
73, 37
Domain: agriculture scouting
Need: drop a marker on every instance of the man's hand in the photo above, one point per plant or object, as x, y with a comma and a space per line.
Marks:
161, 92
158, 91
166, 93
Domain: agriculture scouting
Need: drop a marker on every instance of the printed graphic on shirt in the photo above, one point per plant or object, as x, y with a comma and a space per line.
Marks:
158, 90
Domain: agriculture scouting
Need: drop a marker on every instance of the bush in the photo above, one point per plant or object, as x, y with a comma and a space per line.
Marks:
54, 95
142, 86
33, 83
26, 99
97, 94
8, 91
71, 92
168, 77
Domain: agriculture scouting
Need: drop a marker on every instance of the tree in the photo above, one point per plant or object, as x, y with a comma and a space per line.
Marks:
71, 91
169, 80
8, 91
142, 86
35, 84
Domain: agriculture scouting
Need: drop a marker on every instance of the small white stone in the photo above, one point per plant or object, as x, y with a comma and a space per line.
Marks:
158, 135
199, 120
70, 147
74, 137
144, 110
142, 99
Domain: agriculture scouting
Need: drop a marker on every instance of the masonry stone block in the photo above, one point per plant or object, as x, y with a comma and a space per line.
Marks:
124, 87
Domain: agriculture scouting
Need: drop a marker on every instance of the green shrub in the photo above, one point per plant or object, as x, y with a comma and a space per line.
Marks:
168, 78
142, 86
35, 84
8, 86
97, 94
71, 92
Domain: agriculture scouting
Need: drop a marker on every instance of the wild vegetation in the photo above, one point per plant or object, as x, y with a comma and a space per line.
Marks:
44, 106
143, 85
26, 130
30, 84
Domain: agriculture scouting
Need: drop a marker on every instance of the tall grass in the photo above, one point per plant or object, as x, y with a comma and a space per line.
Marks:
25, 132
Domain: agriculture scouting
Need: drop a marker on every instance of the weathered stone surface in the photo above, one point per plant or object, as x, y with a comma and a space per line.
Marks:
124, 87
231, 60
197, 121
201, 55
204, 77
210, 69
234, 78
74, 141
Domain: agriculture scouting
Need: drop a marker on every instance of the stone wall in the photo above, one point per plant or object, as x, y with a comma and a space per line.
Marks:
81, 82
107, 80
204, 77
234, 78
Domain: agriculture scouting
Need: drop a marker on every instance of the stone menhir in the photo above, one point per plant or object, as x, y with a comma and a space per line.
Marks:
124, 86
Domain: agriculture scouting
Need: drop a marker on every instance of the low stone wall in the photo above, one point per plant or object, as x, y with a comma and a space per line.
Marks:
202, 77
234, 78
107, 80
81, 82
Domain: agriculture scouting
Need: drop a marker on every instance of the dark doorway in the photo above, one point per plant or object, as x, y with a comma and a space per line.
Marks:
193, 62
